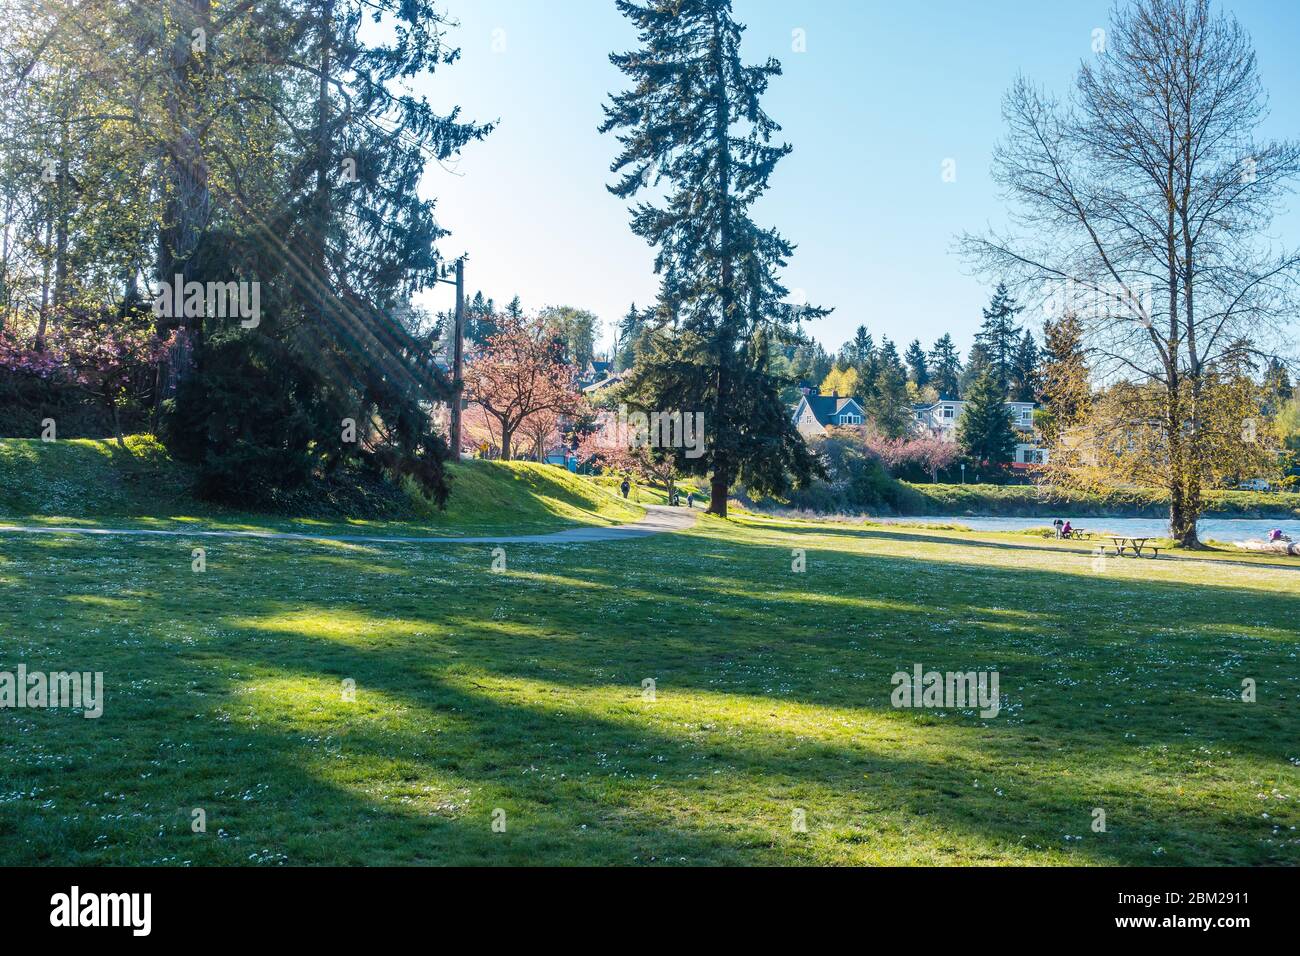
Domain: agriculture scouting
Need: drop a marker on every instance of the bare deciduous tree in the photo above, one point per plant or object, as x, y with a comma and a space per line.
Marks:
1141, 203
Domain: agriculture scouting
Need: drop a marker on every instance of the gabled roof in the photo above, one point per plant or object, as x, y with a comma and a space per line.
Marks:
603, 383
826, 408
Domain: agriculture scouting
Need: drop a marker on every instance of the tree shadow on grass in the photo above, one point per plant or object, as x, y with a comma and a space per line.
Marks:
203, 716
571, 616
1090, 545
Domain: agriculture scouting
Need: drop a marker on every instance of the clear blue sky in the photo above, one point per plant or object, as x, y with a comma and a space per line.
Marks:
883, 95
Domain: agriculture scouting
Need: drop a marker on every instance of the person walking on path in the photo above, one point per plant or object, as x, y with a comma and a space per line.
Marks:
625, 487
690, 499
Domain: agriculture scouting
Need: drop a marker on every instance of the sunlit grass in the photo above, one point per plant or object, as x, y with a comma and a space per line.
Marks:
84, 482
523, 691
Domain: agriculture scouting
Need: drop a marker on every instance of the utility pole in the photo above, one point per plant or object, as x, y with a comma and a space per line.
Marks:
458, 360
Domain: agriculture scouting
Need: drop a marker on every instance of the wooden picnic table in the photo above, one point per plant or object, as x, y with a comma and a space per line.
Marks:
1135, 545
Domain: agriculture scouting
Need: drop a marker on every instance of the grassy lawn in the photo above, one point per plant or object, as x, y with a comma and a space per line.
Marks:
522, 691
1030, 501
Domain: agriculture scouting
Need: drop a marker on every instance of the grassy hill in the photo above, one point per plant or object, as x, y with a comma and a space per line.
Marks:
84, 480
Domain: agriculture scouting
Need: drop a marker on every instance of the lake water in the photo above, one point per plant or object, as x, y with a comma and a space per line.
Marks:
1218, 529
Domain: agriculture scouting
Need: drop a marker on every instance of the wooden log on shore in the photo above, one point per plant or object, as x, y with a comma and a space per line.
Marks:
1270, 547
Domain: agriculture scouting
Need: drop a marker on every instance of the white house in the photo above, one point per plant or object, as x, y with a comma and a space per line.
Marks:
941, 417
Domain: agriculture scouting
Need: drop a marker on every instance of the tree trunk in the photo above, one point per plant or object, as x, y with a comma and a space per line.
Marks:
1182, 519
506, 435
61, 214
721, 479
189, 208
718, 495
1191, 510
43, 321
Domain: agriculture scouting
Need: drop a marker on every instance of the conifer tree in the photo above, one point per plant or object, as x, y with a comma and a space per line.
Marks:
479, 323
630, 329
918, 369
1000, 335
1025, 384
888, 407
977, 363
984, 431
945, 367
692, 122
1064, 375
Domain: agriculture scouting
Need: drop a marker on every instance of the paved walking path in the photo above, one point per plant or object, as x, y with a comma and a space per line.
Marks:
658, 519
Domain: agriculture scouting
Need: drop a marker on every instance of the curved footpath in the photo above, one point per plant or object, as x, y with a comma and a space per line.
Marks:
658, 519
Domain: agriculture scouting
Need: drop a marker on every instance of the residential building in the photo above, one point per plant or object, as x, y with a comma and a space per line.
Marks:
815, 413
940, 418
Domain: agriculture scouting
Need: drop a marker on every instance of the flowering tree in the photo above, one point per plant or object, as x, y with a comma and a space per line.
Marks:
517, 376
610, 446
543, 431
111, 363
932, 453
105, 363
480, 432
929, 452
18, 359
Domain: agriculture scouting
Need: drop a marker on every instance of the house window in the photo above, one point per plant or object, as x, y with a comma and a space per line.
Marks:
847, 419
947, 411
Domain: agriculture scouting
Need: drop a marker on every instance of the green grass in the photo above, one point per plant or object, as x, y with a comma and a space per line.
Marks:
522, 691
1031, 501
139, 486
644, 493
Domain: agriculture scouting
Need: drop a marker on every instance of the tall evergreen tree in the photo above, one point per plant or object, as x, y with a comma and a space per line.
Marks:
860, 348
888, 357
1000, 335
693, 119
630, 329
977, 363
1025, 383
867, 361
1277, 382
945, 367
1064, 375
918, 369
810, 363
479, 314
887, 407
984, 431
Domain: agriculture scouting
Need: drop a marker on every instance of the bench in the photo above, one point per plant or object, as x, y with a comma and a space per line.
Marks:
1136, 545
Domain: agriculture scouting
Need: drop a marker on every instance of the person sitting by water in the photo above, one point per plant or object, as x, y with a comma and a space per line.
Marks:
1066, 530
1277, 535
